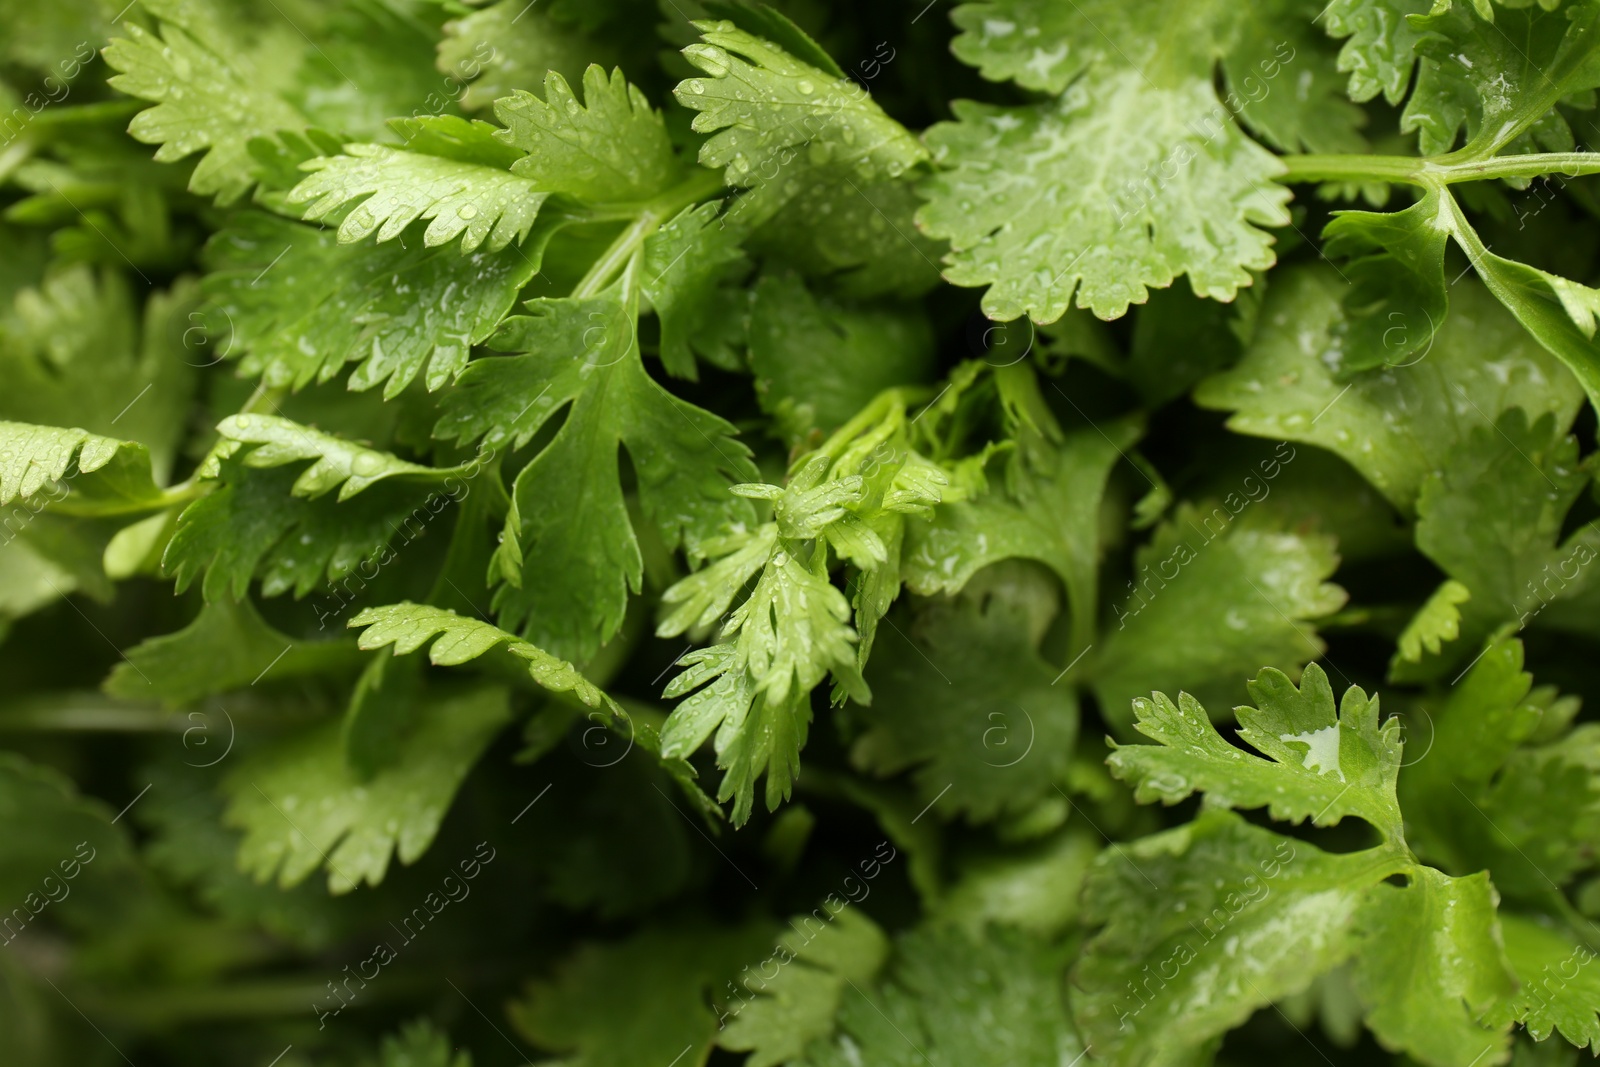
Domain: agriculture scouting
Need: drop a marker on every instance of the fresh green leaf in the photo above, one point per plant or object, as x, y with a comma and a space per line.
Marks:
1398, 299
204, 102
965, 697
1320, 765
1436, 623
228, 646
98, 474
951, 999
1216, 592
817, 363
764, 108
1381, 50
1481, 364
797, 1006
395, 188
640, 1000
453, 640
998, 198
1491, 514
685, 265
1560, 991
568, 573
1431, 964
1176, 910
263, 518
301, 806
392, 309
611, 147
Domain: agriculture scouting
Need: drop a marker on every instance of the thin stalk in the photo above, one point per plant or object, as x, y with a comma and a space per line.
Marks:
649, 217
1441, 169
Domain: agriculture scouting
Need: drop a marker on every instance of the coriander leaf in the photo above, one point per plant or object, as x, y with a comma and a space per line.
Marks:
493, 51
99, 475
340, 464
1141, 139
641, 1000
858, 238
701, 599
205, 100
222, 75
1025, 41
1535, 825
1558, 313
1431, 964
396, 188
393, 308
1047, 508
799, 1004
1030, 209
771, 24
612, 147
777, 646
1283, 41
952, 1000
1487, 796
1398, 298
817, 363
1212, 597
228, 646
1559, 991
1436, 624
75, 351
454, 639
53, 832
1381, 48
1394, 424
1491, 514
568, 569
1177, 912
763, 106
685, 265
1499, 78
966, 698
301, 805
851, 496
1035, 888
1046, 47
418, 1044
191, 848
1321, 765
255, 523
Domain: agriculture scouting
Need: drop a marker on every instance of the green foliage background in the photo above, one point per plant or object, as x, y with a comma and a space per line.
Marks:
631, 534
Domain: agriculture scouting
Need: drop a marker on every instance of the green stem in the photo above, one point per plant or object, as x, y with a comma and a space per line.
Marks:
1351, 168
1441, 169
270, 998
173, 496
91, 712
647, 220
264, 396
614, 258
